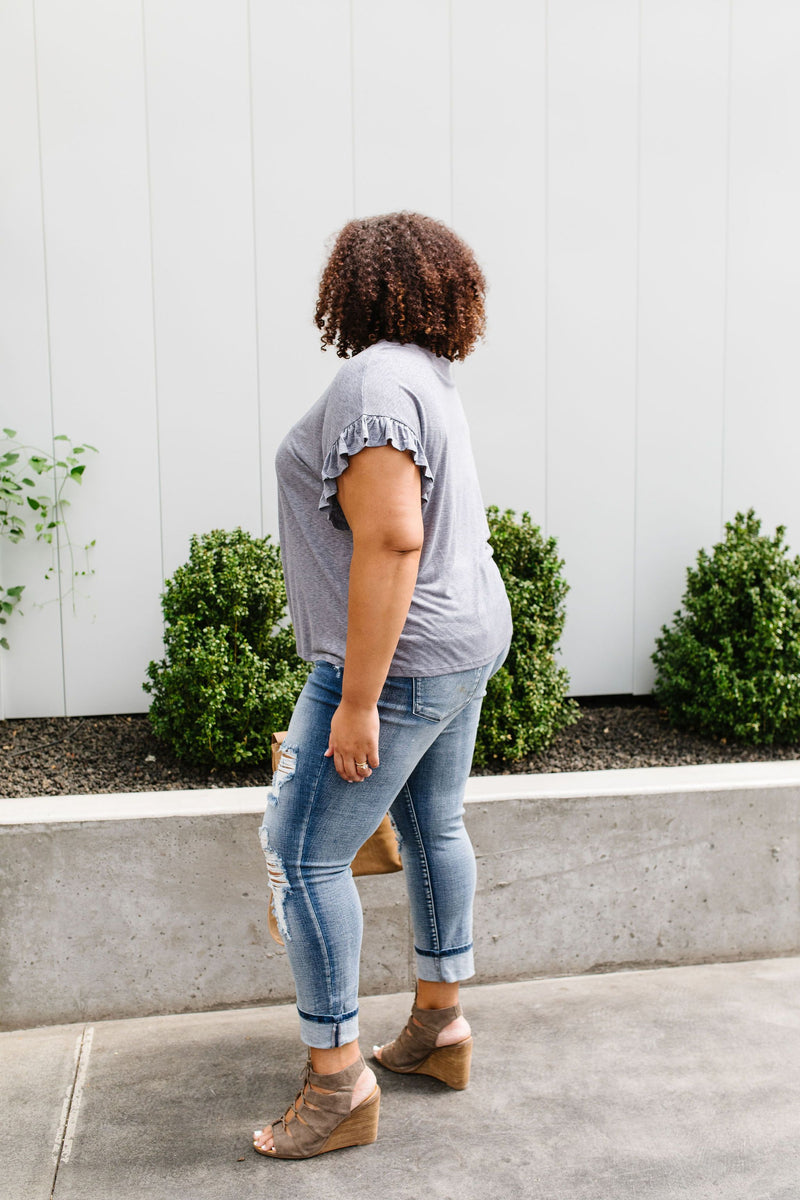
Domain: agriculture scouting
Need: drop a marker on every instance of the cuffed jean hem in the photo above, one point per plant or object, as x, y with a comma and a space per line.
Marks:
452, 966
325, 1033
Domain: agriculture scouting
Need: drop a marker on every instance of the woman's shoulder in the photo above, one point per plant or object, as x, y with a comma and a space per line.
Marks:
384, 380
405, 363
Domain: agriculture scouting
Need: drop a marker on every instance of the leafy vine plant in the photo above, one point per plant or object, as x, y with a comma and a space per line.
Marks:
29, 509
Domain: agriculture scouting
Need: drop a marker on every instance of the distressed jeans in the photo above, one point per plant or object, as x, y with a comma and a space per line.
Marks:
315, 822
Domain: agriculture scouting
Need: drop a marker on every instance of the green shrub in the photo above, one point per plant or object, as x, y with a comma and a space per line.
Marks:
526, 701
230, 675
730, 663
32, 486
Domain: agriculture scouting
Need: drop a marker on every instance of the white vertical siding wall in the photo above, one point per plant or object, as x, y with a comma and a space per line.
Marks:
31, 676
302, 127
499, 204
96, 230
204, 324
628, 172
682, 224
591, 345
761, 438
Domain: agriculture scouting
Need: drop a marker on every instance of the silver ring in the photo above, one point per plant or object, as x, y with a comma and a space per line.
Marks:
362, 766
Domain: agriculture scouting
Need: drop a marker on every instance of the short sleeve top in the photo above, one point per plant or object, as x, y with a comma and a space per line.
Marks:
406, 396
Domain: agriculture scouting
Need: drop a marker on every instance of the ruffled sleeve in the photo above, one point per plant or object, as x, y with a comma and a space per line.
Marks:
368, 431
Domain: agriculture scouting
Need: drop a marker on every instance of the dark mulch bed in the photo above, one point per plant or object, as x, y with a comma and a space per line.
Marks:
71, 755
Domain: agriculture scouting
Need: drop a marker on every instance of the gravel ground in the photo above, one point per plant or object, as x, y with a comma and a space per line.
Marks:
72, 755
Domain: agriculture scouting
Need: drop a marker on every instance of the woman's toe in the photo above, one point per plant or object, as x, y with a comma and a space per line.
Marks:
262, 1139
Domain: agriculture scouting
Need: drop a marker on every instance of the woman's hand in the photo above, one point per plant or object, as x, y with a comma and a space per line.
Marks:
354, 740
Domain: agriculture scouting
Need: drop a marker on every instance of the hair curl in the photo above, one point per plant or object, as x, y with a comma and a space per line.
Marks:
401, 277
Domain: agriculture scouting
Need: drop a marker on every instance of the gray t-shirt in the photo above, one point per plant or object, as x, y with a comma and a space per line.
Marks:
459, 616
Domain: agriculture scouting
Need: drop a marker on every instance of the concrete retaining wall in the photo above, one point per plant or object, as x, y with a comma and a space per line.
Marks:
128, 905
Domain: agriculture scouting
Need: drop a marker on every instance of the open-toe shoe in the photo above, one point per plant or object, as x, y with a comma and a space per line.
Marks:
415, 1051
320, 1121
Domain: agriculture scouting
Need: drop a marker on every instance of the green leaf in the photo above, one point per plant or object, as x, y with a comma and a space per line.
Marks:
4, 643
77, 472
34, 504
16, 591
61, 437
12, 433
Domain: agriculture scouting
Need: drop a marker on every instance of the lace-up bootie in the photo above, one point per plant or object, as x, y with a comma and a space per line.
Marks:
415, 1051
320, 1121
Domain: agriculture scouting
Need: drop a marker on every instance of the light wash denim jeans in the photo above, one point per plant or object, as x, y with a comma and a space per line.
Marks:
315, 822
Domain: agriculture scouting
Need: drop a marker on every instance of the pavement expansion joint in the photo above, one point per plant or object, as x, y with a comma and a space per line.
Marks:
70, 1109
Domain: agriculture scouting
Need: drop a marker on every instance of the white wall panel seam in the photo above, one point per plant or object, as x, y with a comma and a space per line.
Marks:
636, 359
146, 96
546, 271
353, 107
49, 348
726, 266
259, 426
451, 144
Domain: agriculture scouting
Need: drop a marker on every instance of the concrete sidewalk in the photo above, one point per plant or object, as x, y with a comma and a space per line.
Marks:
670, 1083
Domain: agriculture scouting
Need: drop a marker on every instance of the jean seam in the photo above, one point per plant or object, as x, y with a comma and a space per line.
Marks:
311, 905
431, 906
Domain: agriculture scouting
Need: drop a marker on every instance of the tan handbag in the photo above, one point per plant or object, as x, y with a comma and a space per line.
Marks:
378, 856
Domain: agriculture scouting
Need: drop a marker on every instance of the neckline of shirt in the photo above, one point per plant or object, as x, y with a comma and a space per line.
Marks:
442, 366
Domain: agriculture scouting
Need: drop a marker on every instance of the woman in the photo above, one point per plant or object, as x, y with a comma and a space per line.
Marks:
396, 599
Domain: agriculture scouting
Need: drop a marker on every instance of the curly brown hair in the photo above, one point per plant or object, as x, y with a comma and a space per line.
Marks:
401, 277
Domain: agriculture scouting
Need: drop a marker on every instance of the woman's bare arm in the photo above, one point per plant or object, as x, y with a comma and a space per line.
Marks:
379, 494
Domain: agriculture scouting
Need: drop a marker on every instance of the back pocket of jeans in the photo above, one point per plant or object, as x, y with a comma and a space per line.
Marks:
437, 697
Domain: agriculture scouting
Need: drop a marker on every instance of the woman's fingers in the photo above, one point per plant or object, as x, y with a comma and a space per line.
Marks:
351, 767
353, 743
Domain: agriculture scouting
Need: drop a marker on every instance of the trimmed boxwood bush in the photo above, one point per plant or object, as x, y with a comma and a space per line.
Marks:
526, 701
729, 664
230, 675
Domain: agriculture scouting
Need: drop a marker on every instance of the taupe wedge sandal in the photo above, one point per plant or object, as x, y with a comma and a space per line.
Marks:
321, 1121
415, 1051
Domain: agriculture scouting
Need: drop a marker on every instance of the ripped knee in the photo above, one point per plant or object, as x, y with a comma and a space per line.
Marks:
287, 765
278, 883
398, 835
